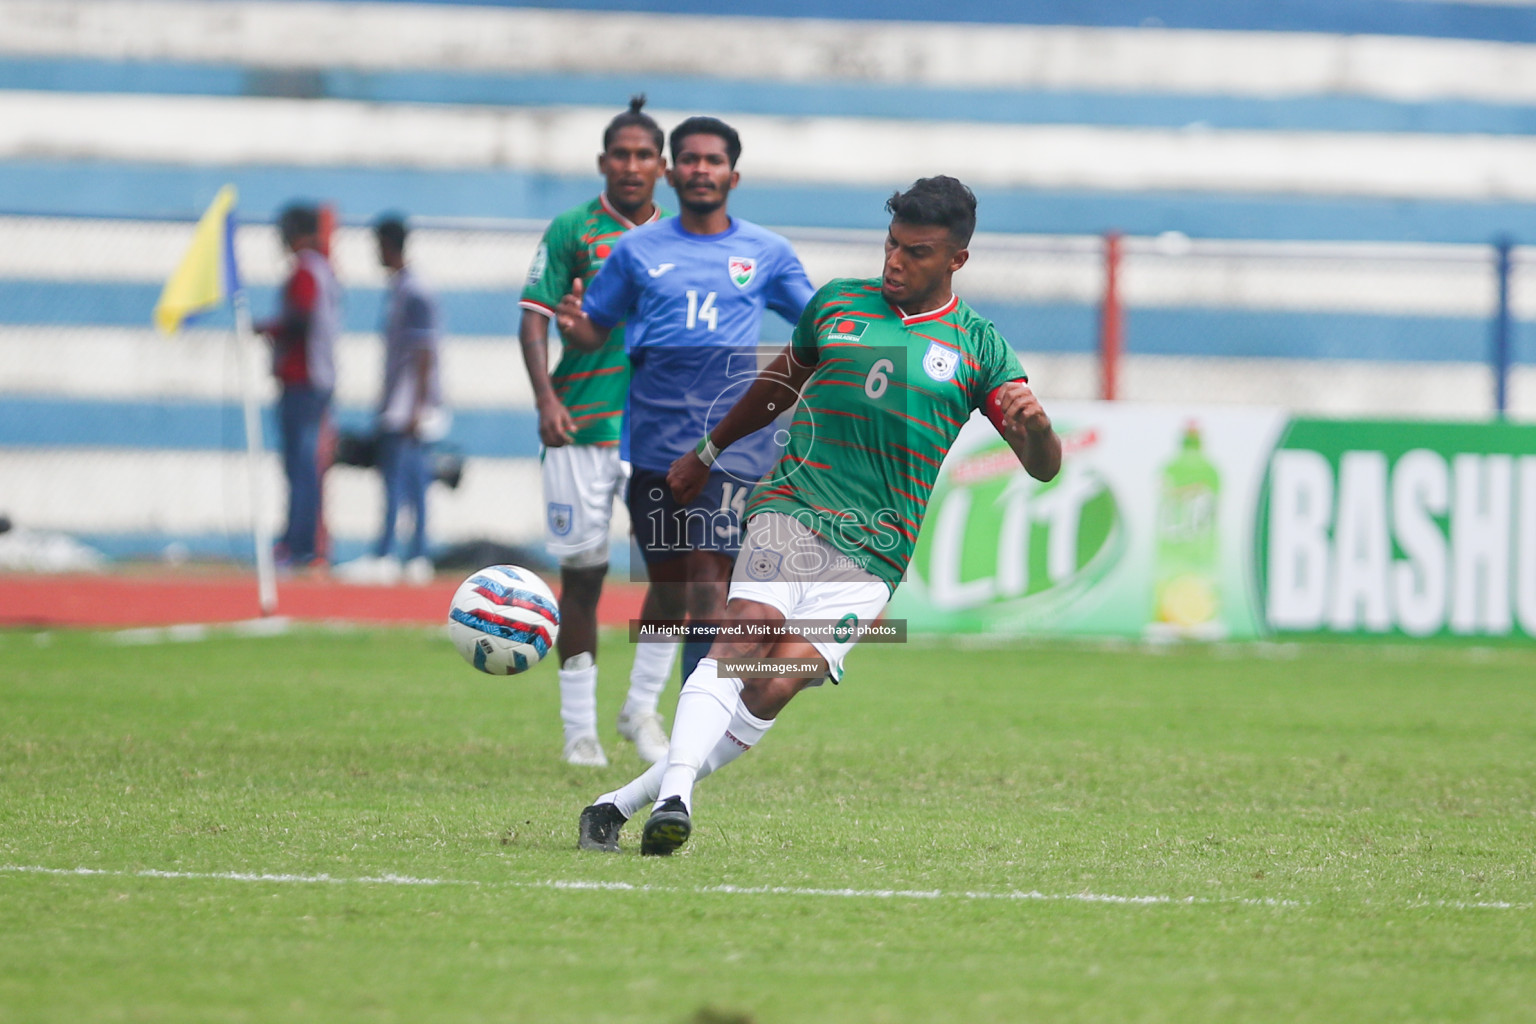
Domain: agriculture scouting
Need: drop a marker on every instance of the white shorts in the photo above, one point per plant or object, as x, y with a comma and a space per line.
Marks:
786, 566
581, 484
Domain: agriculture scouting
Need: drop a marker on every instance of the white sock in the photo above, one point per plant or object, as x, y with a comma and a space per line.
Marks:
704, 712
653, 666
578, 696
638, 792
745, 732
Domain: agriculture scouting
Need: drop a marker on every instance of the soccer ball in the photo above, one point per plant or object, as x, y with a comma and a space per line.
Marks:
503, 620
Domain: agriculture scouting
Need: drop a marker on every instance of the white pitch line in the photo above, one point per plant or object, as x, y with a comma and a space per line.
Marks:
196, 632
580, 885
1463, 905
584, 885
231, 876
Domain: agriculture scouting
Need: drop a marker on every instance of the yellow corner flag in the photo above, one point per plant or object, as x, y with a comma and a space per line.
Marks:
207, 276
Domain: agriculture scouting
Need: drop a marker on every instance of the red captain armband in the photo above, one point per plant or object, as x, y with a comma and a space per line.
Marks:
993, 406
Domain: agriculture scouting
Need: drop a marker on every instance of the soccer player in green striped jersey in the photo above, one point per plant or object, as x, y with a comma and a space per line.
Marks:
581, 405
882, 373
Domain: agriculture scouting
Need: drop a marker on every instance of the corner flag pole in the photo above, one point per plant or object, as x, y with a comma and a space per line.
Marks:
207, 276
266, 571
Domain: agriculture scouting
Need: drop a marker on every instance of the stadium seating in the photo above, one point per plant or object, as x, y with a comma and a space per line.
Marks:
1308, 194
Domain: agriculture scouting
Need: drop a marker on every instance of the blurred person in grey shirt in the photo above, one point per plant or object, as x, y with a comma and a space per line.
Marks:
411, 415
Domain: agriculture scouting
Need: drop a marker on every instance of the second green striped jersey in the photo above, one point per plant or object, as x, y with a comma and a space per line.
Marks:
882, 408
592, 385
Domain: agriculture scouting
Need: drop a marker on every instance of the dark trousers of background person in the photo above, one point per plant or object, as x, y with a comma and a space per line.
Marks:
301, 418
404, 463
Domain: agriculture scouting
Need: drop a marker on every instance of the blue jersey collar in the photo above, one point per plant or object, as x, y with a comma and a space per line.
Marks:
677, 225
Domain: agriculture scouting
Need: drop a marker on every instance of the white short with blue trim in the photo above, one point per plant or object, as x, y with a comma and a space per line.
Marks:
581, 484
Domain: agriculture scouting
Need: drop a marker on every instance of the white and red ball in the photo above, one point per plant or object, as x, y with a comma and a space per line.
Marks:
504, 619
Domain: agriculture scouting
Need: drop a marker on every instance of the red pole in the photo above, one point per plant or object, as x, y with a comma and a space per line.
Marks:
326, 451
1111, 321
327, 228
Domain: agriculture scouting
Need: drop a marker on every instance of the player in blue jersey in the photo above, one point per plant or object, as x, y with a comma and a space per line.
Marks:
691, 291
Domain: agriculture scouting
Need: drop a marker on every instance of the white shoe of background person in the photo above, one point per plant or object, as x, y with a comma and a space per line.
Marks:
420, 571
585, 752
359, 570
369, 571
645, 730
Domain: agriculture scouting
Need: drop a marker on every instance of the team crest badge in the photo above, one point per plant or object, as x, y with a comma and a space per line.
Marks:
939, 361
742, 268
559, 519
762, 564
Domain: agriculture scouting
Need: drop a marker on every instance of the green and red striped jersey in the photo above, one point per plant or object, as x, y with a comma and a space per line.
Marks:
592, 385
882, 408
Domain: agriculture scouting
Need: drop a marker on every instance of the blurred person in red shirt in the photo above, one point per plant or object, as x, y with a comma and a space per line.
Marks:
303, 337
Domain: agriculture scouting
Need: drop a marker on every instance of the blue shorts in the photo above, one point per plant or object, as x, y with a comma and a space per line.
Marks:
664, 529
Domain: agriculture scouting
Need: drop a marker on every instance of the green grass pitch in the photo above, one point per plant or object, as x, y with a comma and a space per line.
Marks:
1047, 832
